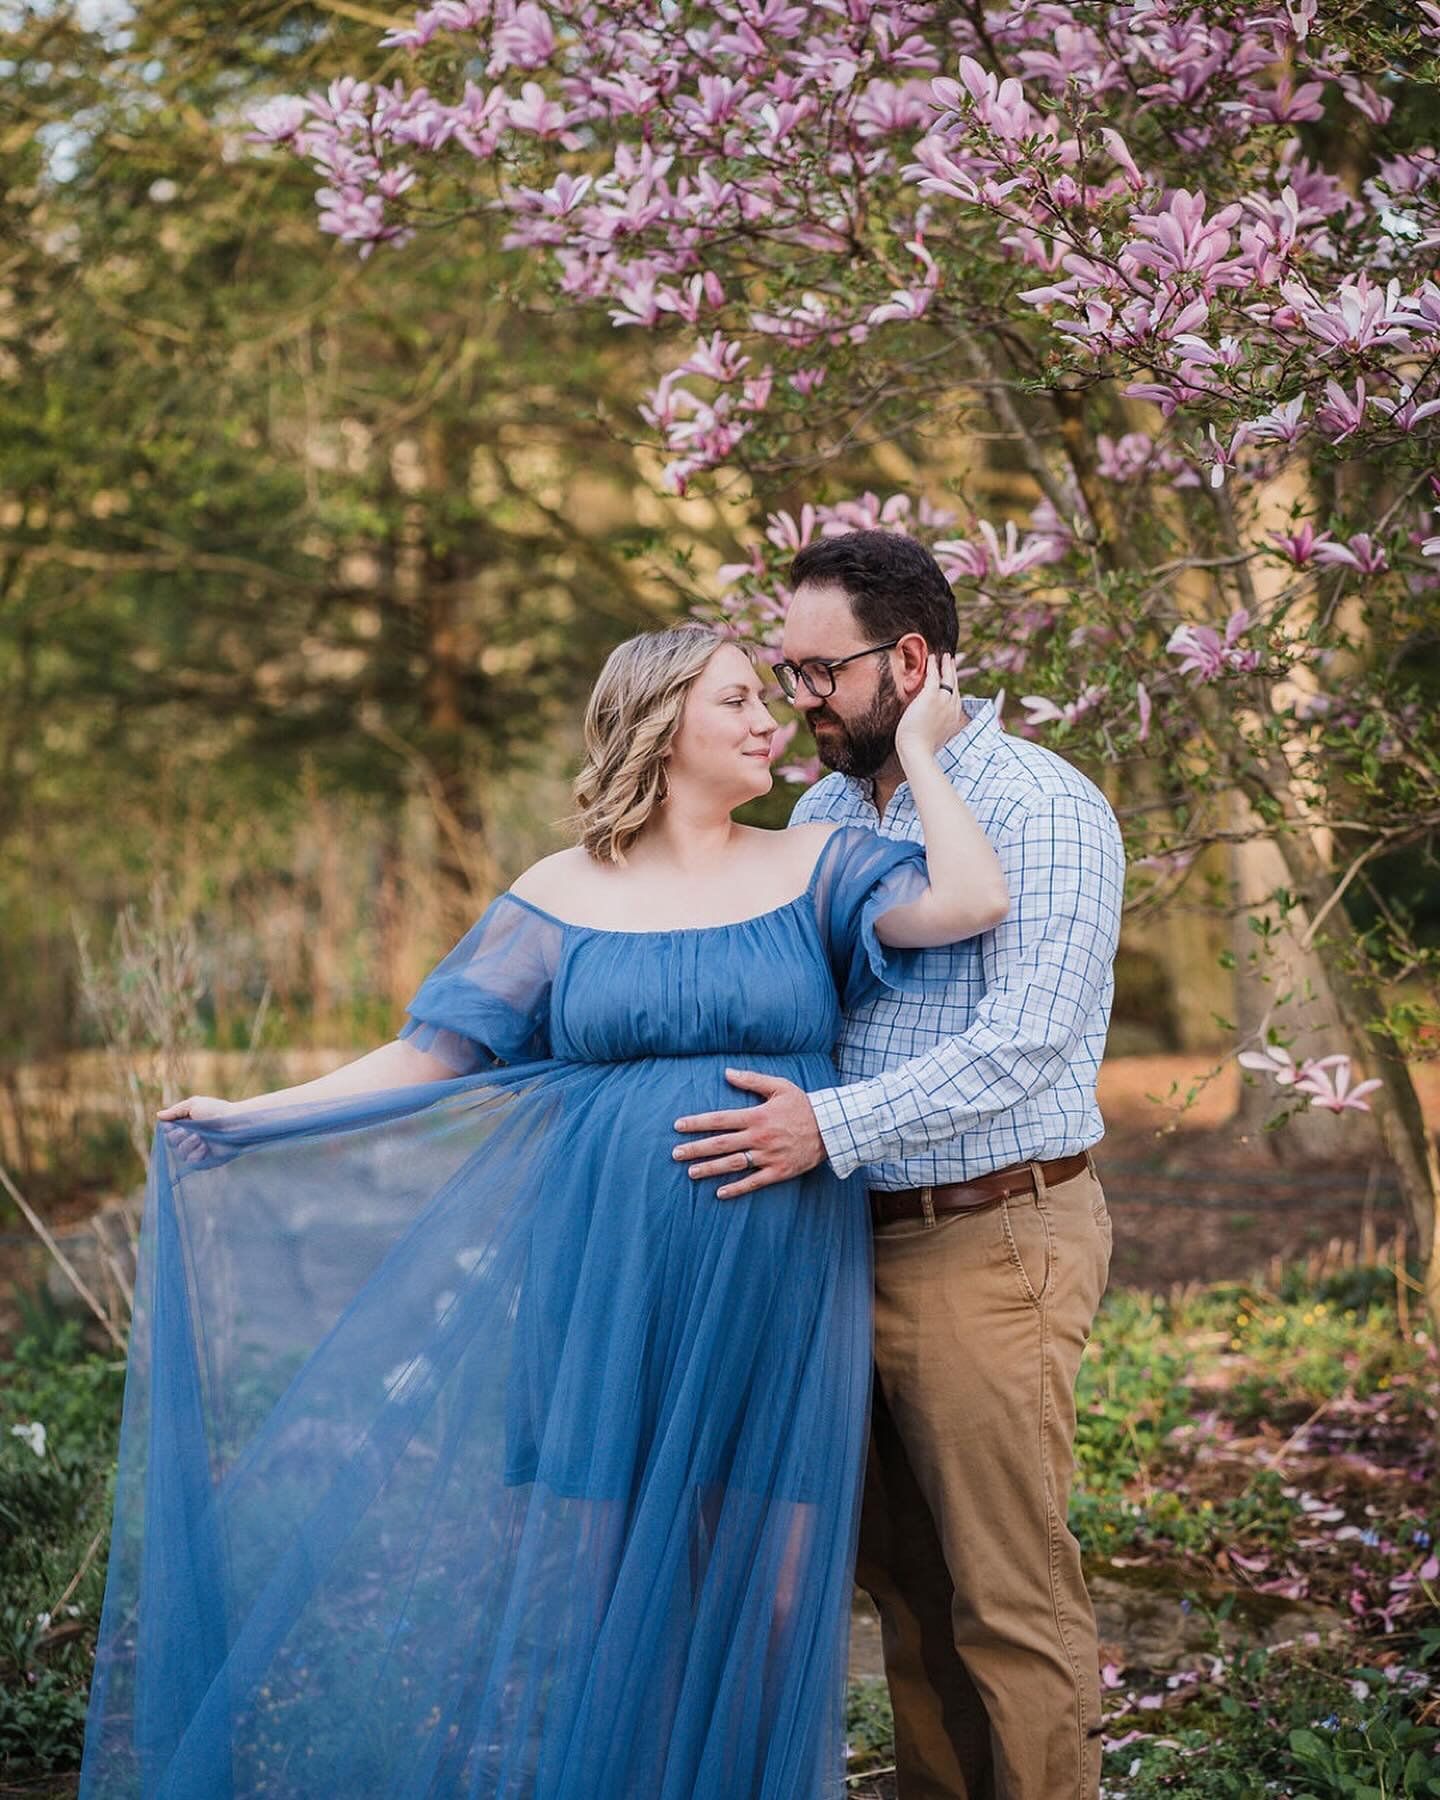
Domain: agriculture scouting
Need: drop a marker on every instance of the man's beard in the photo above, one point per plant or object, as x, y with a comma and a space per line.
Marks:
861, 747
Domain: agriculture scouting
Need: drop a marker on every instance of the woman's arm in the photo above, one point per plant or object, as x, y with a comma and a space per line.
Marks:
396, 1064
967, 892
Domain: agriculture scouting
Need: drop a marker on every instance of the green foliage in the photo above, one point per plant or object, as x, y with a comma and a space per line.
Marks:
1169, 1482
261, 504
54, 1520
1311, 1729
869, 1725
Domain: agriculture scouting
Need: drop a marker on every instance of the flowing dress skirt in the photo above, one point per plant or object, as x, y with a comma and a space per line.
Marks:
470, 1448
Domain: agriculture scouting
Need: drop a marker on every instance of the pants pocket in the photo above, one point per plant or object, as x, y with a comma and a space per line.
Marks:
1029, 1242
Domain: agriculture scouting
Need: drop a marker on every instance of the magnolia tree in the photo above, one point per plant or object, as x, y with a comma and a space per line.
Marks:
1178, 254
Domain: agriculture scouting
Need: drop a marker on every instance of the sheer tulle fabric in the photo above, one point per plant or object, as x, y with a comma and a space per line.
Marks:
469, 1447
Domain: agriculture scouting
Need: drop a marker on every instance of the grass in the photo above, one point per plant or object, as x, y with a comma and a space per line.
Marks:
55, 1499
1242, 1453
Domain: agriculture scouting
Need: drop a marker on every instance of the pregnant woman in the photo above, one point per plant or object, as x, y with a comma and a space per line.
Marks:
471, 1447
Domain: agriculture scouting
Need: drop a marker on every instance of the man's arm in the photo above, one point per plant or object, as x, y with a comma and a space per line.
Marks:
1045, 964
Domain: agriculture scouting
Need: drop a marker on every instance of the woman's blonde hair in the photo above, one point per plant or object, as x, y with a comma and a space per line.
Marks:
630, 723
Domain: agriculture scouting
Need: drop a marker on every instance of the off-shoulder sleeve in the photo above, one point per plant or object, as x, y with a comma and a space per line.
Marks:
860, 877
488, 1001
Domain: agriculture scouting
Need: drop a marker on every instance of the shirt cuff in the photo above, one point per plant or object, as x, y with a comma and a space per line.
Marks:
842, 1114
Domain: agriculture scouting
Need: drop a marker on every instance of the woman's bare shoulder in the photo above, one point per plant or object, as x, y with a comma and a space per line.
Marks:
805, 842
553, 876
795, 847
813, 831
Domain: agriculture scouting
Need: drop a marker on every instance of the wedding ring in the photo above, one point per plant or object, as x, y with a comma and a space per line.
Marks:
749, 1162
945, 688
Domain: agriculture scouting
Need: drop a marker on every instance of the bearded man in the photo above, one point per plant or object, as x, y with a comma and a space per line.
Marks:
971, 1107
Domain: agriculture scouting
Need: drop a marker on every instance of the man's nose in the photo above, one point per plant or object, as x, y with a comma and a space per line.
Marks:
804, 701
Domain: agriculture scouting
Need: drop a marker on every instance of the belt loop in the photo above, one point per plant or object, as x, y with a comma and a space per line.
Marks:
1090, 1165
927, 1207
1041, 1191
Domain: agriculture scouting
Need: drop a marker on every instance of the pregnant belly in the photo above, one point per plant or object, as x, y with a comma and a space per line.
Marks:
618, 1138
634, 1269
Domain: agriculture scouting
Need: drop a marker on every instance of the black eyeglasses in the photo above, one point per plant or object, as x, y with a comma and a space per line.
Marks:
818, 674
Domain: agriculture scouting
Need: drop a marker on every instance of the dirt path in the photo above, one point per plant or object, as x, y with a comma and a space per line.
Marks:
1191, 1201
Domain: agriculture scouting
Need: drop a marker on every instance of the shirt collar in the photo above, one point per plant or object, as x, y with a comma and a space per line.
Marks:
965, 752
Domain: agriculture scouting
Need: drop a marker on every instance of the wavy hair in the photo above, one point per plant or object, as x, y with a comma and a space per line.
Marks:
630, 723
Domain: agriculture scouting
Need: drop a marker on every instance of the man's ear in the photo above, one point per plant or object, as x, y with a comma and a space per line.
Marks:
914, 654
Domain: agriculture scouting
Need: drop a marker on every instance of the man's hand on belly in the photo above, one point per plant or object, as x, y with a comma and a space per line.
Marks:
780, 1135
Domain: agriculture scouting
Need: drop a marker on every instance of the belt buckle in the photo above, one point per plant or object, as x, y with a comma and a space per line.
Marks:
927, 1207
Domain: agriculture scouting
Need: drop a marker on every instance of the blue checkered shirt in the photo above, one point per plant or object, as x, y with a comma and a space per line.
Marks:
998, 1065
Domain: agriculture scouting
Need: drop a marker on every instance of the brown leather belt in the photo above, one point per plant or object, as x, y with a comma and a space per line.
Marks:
978, 1195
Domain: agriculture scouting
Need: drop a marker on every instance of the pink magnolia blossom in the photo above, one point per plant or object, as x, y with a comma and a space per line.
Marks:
1324, 1081
729, 574
1341, 413
535, 112
1170, 862
911, 302
448, 15
1227, 354
806, 381
526, 40
1365, 99
887, 107
1120, 151
1300, 544
1282, 424
781, 741
1224, 457
1361, 554
1004, 558
626, 93
1405, 410
1296, 20
1180, 239
755, 390
716, 359
277, 121
1327, 1083
1275, 1061
358, 218
343, 105
787, 533
1285, 103
699, 294
1040, 711
480, 119
1206, 655
1357, 315
1124, 458
1000, 105
667, 402
639, 303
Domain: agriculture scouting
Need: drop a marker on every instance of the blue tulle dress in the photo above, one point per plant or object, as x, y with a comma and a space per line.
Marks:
471, 1448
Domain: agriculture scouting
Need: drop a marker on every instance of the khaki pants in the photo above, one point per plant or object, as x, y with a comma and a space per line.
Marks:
989, 1637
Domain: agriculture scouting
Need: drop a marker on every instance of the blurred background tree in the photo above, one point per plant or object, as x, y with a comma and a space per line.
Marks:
301, 560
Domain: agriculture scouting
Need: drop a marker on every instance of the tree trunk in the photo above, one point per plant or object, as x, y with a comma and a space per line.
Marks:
427, 585
1397, 1109
1286, 984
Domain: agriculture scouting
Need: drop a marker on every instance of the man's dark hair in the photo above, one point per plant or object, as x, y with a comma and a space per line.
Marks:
893, 584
